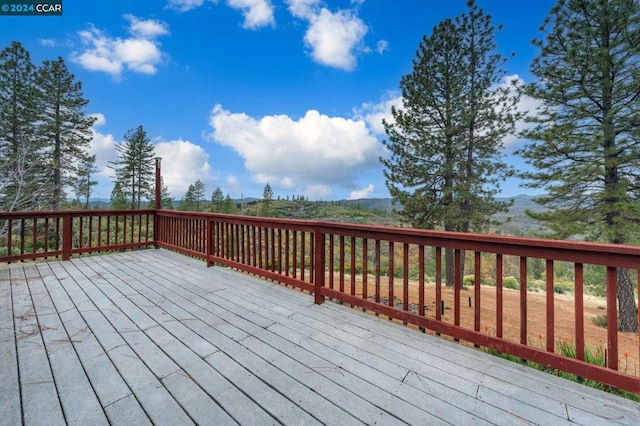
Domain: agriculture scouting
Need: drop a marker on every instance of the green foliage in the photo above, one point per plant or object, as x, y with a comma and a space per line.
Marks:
217, 200
166, 200
228, 206
134, 167
21, 183
511, 282
267, 198
600, 321
44, 134
594, 356
585, 135
445, 141
65, 129
194, 197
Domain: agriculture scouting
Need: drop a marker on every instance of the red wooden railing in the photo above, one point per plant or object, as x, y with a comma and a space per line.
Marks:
393, 272
33, 235
344, 262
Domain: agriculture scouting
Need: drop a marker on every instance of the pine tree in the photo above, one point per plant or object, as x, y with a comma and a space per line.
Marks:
118, 197
83, 183
66, 128
22, 175
217, 199
134, 167
198, 194
192, 199
586, 139
267, 198
166, 199
228, 207
446, 140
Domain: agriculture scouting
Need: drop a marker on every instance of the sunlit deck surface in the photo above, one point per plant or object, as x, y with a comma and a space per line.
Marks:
153, 337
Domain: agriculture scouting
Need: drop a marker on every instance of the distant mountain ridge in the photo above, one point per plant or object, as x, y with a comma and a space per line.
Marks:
515, 221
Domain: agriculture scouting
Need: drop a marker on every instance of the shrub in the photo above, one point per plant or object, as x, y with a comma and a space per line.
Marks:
510, 282
562, 287
600, 321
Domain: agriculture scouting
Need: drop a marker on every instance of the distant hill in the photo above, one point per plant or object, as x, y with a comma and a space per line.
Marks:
379, 211
515, 221
373, 204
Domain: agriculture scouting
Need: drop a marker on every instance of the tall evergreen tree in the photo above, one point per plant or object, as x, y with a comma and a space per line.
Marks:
198, 194
188, 202
446, 140
134, 167
166, 200
229, 207
83, 182
118, 197
217, 200
22, 175
66, 128
192, 200
586, 141
267, 198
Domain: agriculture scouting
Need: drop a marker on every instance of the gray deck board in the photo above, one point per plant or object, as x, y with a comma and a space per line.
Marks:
152, 337
9, 380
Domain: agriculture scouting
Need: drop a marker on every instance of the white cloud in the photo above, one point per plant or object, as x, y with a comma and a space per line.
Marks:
146, 29
373, 114
295, 154
257, 13
233, 185
182, 164
362, 193
333, 38
48, 42
382, 46
304, 9
186, 5
103, 146
317, 192
527, 105
139, 53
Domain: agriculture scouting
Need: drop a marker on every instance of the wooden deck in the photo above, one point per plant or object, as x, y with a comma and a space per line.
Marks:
152, 337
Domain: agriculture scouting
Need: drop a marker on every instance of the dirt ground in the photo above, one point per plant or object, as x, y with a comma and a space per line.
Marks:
564, 317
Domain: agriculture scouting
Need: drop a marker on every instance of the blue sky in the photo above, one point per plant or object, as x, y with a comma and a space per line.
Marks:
240, 93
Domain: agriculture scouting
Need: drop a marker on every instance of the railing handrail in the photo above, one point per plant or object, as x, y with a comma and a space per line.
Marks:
75, 213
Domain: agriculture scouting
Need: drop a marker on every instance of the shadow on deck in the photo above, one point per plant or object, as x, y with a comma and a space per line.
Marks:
153, 337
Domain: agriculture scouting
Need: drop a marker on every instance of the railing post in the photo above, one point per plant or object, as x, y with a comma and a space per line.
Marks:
319, 272
158, 203
66, 236
209, 242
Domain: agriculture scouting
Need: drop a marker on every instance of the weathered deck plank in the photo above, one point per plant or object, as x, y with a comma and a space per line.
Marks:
77, 397
154, 337
9, 381
39, 396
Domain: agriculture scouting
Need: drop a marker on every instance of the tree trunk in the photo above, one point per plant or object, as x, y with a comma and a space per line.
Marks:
450, 266
627, 312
